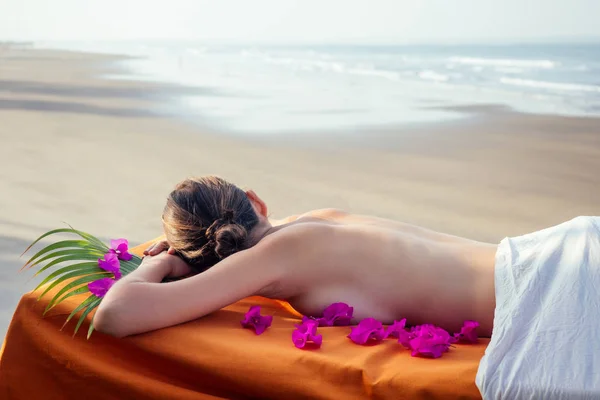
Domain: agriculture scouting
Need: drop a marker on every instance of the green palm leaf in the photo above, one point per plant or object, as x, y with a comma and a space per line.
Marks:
72, 244
73, 264
73, 257
71, 251
91, 328
101, 246
73, 270
89, 308
130, 266
90, 238
84, 304
57, 299
80, 290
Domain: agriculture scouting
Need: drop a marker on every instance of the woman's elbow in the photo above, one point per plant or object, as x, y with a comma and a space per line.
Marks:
107, 320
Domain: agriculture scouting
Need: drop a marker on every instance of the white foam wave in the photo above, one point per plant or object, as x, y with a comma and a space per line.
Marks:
433, 76
393, 76
324, 65
571, 87
500, 62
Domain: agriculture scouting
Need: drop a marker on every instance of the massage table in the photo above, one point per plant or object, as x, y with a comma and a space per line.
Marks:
214, 358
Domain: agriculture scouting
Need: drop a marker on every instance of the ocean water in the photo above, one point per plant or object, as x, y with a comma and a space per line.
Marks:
274, 89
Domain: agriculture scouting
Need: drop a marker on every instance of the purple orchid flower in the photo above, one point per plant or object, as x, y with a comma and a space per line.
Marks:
120, 247
468, 332
366, 330
306, 332
253, 320
100, 287
111, 263
396, 329
427, 341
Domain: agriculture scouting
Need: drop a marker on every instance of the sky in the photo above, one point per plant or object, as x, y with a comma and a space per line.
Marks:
303, 21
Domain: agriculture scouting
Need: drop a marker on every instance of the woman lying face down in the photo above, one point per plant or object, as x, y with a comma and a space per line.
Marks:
220, 240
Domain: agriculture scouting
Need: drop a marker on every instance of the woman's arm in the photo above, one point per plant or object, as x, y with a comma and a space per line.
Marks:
140, 303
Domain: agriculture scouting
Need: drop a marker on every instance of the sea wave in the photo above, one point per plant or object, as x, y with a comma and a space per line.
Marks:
324, 64
501, 62
571, 87
429, 75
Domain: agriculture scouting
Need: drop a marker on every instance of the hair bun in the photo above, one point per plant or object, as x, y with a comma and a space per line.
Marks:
229, 239
225, 237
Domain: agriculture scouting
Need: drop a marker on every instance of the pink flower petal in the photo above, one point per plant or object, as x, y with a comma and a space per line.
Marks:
115, 243
468, 332
426, 341
338, 314
396, 328
121, 247
253, 320
111, 263
100, 287
369, 329
305, 333
299, 339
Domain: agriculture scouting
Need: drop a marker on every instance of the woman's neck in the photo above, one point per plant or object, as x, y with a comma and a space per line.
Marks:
262, 230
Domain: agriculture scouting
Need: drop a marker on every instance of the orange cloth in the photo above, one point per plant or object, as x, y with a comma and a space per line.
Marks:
213, 357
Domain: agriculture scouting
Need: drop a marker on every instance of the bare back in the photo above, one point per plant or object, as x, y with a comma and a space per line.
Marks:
388, 270
384, 269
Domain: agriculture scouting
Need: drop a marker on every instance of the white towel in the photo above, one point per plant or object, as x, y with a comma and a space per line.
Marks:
546, 338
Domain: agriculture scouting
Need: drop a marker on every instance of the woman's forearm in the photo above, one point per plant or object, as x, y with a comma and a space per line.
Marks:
152, 269
113, 314
141, 303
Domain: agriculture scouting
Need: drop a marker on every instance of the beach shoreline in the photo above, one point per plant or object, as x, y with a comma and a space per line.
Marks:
103, 154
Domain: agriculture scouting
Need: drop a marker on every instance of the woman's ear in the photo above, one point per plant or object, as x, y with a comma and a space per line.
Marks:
259, 206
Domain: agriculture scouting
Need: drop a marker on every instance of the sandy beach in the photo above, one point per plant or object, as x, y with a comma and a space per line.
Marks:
102, 155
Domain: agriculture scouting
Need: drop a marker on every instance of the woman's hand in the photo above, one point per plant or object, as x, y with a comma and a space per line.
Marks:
172, 266
158, 248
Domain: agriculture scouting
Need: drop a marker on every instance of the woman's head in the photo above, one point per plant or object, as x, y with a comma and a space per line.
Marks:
208, 219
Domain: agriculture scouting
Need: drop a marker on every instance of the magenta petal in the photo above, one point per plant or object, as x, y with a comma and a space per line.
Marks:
367, 329
422, 347
254, 311
395, 329
338, 314
116, 243
253, 320
317, 339
359, 336
120, 247
249, 317
111, 263
259, 328
306, 332
266, 321
299, 339
123, 253
125, 256
468, 332
100, 287
428, 341
404, 338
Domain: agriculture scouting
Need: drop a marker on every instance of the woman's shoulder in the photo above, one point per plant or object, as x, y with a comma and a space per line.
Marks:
322, 213
328, 213
297, 237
